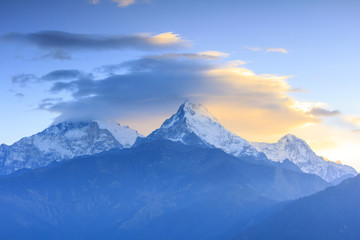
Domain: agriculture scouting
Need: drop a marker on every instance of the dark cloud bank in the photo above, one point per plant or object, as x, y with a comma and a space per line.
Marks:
59, 45
152, 85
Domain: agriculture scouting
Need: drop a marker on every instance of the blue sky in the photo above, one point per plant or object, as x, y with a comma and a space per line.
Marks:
314, 42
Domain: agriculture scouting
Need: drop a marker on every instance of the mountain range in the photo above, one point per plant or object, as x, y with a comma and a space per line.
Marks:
298, 152
189, 179
62, 141
191, 125
161, 189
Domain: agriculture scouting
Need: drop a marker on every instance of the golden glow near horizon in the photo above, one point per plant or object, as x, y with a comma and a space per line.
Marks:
258, 107
255, 104
331, 142
248, 101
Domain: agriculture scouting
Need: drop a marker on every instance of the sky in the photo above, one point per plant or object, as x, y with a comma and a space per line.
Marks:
263, 68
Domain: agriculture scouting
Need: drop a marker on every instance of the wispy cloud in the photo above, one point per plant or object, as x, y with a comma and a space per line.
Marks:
321, 112
353, 121
57, 54
124, 3
72, 41
166, 39
63, 75
121, 3
214, 54
57, 44
209, 55
356, 120
23, 79
94, 1
278, 50
258, 49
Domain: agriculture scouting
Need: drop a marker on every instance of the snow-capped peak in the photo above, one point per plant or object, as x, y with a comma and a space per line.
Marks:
62, 141
194, 124
125, 135
290, 138
299, 152
189, 111
198, 110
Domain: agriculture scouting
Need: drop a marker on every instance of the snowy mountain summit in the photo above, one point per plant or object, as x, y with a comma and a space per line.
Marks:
64, 141
298, 151
193, 124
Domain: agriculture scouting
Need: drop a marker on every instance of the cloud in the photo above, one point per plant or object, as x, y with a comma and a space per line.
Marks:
23, 79
20, 95
214, 54
353, 121
321, 112
152, 87
57, 54
279, 50
124, 3
208, 55
120, 3
356, 121
166, 39
62, 75
94, 1
46, 55
235, 63
258, 49
48, 102
58, 43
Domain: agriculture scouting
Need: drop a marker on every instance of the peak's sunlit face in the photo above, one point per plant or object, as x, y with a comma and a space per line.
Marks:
263, 68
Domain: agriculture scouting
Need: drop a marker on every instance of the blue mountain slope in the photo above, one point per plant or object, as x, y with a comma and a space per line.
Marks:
157, 189
328, 215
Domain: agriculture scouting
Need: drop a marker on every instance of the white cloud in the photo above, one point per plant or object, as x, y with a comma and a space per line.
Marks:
256, 49
94, 1
214, 54
120, 3
124, 3
279, 50
167, 38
